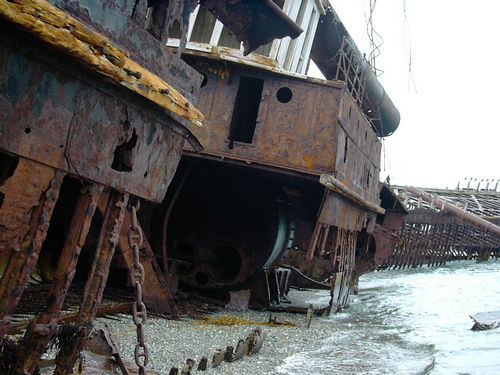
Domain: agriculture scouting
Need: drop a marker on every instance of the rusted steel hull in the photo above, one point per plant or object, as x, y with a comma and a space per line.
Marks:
93, 105
225, 226
299, 125
268, 139
375, 236
64, 120
45, 117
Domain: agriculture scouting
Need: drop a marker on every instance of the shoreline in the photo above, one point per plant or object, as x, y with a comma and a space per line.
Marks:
170, 343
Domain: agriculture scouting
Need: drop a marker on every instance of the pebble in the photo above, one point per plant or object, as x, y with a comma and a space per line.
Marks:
171, 342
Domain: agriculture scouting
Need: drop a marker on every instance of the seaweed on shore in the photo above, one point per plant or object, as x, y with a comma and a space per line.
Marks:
226, 320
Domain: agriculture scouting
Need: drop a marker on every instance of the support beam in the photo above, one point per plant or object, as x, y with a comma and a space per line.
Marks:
23, 260
44, 326
96, 282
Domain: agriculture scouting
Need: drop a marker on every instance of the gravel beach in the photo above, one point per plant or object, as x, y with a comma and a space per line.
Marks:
170, 342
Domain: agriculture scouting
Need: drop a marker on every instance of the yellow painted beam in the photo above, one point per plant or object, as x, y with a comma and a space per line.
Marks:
96, 52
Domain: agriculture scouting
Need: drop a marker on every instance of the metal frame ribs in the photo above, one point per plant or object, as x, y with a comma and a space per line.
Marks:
437, 230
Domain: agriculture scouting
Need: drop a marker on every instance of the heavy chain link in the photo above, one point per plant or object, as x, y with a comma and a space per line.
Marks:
139, 313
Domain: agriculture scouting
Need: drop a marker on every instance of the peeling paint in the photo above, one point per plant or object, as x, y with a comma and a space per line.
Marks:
18, 77
45, 91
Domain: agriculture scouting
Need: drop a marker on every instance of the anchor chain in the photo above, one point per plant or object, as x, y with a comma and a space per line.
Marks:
139, 313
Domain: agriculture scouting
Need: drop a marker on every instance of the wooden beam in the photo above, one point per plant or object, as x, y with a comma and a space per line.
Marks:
96, 52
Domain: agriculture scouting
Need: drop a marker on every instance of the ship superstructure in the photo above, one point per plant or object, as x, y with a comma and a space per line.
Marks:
290, 164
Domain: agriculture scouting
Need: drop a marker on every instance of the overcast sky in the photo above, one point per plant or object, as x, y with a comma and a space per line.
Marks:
448, 105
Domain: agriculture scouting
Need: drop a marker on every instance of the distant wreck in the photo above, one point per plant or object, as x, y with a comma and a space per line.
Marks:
447, 225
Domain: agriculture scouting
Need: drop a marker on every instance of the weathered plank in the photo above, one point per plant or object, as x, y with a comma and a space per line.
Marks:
96, 52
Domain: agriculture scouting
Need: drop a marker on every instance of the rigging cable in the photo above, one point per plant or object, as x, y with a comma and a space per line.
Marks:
375, 38
407, 38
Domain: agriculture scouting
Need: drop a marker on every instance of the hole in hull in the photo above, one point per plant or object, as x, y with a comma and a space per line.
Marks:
8, 165
229, 229
246, 109
123, 159
226, 263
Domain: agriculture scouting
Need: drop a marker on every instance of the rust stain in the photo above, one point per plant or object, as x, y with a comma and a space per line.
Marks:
22, 193
22, 263
222, 73
96, 52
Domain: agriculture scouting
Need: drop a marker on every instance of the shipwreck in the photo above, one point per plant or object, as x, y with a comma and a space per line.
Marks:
146, 144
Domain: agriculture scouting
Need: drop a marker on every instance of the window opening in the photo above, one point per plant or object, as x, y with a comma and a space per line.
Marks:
246, 109
175, 30
227, 39
203, 26
264, 50
308, 37
291, 50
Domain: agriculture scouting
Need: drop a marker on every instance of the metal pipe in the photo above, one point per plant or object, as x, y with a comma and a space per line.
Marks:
337, 186
451, 208
165, 223
327, 41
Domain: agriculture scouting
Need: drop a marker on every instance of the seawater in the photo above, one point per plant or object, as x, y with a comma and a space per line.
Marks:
412, 322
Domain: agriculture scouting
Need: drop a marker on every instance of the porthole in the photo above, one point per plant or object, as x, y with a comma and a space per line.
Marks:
284, 95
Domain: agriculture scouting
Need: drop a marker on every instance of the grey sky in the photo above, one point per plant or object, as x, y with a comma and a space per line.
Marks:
449, 121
